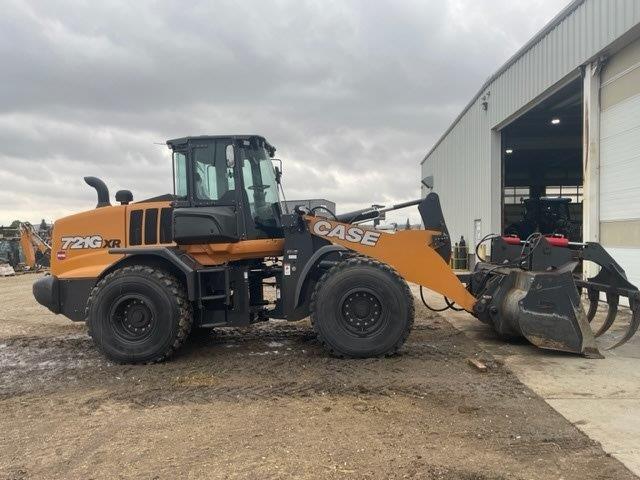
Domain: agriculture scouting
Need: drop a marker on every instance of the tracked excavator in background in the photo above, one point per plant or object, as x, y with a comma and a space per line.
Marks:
145, 274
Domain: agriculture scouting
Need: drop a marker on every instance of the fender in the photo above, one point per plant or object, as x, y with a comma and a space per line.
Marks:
313, 260
183, 263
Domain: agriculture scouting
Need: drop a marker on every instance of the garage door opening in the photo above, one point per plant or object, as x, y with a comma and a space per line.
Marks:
542, 168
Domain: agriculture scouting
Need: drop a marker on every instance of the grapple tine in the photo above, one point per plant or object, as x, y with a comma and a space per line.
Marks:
633, 325
542, 299
612, 302
594, 297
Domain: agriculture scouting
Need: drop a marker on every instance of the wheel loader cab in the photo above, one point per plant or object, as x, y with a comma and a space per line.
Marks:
225, 188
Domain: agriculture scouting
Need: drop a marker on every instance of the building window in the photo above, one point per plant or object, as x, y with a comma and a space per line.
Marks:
574, 192
515, 195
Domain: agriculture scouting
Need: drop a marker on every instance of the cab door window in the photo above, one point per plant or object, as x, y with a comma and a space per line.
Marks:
212, 179
260, 185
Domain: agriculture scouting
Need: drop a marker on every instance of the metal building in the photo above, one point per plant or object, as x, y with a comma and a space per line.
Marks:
560, 118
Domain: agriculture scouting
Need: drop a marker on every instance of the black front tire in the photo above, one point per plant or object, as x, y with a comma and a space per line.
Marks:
139, 314
362, 308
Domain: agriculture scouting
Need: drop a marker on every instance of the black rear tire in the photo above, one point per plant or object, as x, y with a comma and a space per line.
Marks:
362, 308
139, 314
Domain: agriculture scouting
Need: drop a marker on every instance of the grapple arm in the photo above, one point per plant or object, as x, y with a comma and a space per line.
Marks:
611, 281
545, 275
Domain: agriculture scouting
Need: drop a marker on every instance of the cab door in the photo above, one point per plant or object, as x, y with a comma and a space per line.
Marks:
208, 211
260, 199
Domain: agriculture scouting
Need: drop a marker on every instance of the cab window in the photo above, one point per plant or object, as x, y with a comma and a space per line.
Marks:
259, 184
179, 175
212, 179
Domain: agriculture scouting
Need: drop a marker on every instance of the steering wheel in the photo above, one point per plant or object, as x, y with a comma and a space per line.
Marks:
259, 187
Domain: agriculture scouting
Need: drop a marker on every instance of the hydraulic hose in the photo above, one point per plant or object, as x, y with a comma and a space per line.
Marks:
449, 304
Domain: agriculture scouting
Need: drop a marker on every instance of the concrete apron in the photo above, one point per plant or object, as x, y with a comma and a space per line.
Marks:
600, 397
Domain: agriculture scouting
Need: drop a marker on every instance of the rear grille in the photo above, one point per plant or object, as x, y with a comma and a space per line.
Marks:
135, 227
165, 225
151, 226
149, 218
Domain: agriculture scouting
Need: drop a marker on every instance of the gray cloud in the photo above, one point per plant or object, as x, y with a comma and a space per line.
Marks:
352, 93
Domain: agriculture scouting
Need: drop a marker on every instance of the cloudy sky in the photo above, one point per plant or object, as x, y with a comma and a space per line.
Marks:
352, 93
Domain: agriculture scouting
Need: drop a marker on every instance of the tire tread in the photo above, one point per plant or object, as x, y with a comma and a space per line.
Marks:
172, 284
359, 260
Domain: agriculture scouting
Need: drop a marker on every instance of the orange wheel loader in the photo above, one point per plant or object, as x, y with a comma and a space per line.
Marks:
144, 274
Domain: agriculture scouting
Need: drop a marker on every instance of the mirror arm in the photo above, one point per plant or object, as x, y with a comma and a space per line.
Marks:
278, 169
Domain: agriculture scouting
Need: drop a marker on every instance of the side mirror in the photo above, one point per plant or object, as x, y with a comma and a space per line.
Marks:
278, 169
231, 159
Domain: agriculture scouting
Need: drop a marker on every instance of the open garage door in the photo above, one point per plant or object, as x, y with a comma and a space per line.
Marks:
542, 168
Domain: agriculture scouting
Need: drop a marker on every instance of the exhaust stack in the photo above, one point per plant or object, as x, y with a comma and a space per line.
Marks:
101, 190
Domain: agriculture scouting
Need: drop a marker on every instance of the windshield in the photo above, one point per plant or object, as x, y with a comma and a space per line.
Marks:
259, 183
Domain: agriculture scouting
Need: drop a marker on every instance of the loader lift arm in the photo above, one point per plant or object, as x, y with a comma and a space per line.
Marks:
412, 253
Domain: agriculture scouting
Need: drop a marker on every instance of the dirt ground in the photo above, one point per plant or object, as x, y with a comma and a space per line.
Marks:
269, 403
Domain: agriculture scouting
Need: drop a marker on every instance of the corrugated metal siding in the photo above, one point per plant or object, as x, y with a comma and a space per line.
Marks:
461, 182
461, 161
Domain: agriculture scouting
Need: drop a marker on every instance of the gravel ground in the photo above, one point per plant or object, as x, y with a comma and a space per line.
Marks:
269, 403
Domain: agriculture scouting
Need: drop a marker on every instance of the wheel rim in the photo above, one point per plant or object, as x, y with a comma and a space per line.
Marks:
132, 317
361, 312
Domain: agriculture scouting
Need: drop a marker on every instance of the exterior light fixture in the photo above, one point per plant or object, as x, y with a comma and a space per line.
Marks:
508, 151
555, 121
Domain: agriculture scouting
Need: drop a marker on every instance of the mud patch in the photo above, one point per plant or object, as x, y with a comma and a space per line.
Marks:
32, 363
268, 402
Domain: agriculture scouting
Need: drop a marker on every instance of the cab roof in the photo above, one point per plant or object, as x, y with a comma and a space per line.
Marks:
184, 140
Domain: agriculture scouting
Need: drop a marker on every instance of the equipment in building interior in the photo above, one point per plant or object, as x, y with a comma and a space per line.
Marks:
548, 216
145, 274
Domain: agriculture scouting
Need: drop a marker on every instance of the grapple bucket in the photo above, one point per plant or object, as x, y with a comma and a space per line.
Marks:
612, 283
532, 291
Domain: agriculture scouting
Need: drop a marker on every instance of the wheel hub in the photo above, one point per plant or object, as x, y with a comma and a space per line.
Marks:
132, 318
361, 312
137, 315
